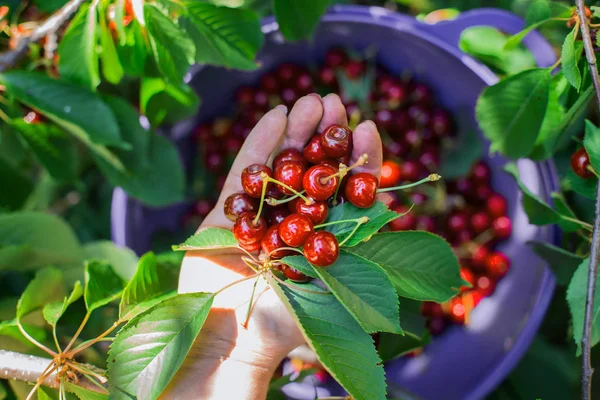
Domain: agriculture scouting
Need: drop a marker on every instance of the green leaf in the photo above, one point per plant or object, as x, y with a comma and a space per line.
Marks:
584, 187
149, 350
301, 264
133, 50
458, 159
173, 50
392, 346
151, 284
511, 112
365, 290
341, 345
78, 61
516, 39
228, 37
538, 211
545, 144
591, 142
111, 66
208, 239
576, 297
49, 6
379, 215
562, 262
83, 393
422, 266
122, 259
102, 285
163, 102
16, 188
570, 54
154, 173
53, 311
11, 329
46, 287
31, 240
538, 11
55, 150
565, 214
298, 19
74, 108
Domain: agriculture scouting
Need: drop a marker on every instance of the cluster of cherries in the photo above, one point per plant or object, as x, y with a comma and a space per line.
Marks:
281, 207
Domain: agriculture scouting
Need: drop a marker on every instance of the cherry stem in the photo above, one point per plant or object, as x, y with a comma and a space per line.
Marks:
295, 287
91, 342
86, 371
81, 326
358, 221
248, 253
250, 304
267, 178
262, 200
286, 248
236, 282
251, 263
274, 202
593, 171
430, 178
47, 372
343, 170
358, 224
32, 340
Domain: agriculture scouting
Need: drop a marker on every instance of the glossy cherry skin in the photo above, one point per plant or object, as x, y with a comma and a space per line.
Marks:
479, 257
420, 94
269, 83
391, 173
485, 286
295, 229
480, 221
321, 249
244, 96
274, 192
496, 205
467, 276
441, 123
361, 189
238, 203
293, 274
336, 141
291, 174
426, 223
275, 215
317, 185
293, 155
313, 151
406, 222
432, 309
457, 221
580, 161
327, 77
246, 232
502, 227
252, 181
457, 311
355, 69
411, 170
336, 57
497, 265
271, 242
436, 326
316, 212
480, 172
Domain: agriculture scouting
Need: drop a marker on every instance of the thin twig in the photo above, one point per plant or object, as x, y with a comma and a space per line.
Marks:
50, 26
586, 359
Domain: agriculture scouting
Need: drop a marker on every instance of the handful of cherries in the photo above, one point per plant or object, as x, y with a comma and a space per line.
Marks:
282, 207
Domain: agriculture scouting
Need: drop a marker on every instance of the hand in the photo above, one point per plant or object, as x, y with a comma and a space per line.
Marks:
228, 360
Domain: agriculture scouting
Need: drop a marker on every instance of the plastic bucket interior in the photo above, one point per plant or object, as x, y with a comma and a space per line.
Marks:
465, 362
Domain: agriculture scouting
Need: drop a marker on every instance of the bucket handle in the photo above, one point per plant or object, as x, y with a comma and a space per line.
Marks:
450, 31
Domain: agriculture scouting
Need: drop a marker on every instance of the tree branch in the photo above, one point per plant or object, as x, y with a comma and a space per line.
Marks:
24, 367
586, 359
51, 25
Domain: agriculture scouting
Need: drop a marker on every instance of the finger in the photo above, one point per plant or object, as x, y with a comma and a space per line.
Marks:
334, 112
303, 121
367, 141
262, 141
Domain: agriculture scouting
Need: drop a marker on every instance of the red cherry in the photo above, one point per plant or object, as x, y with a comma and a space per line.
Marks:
214, 161
496, 205
396, 149
485, 286
468, 276
273, 192
336, 57
238, 203
295, 229
429, 158
383, 119
290, 174
275, 215
412, 138
391, 173
252, 181
203, 207
336, 141
457, 311
304, 83
481, 173
293, 274
316, 184
383, 82
479, 256
441, 123
426, 223
244, 96
420, 94
457, 221
269, 83
580, 161
327, 77
417, 198
474, 296
411, 170
395, 95
361, 189
463, 236
233, 145
286, 73
202, 133
321, 249
502, 227
482, 193
289, 96
436, 326
293, 203
463, 186
271, 242
497, 265
480, 221
401, 121
419, 114
406, 222
313, 151
246, 232
431, 309
316, 212
355, 69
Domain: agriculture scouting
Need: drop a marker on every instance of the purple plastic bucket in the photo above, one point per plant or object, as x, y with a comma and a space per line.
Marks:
466, 362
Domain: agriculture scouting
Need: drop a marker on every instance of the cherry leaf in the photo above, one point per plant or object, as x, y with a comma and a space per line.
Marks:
102, 285
209, 239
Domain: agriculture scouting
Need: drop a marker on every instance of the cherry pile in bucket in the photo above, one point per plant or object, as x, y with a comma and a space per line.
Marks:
414, 129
